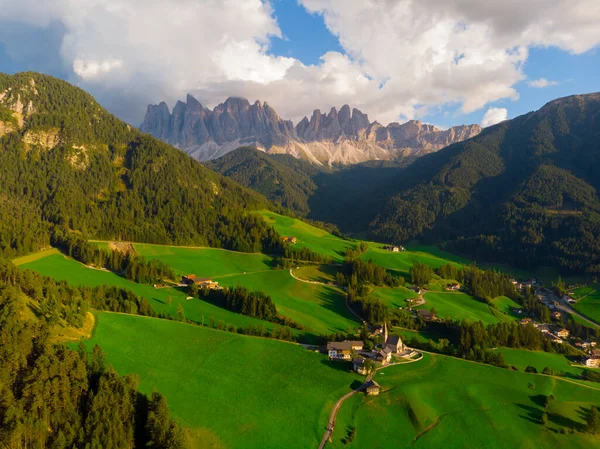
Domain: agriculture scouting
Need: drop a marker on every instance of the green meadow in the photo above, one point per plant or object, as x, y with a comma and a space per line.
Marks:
504, 304
393, 297
205, 262
320, 308
450, 403
227, 390
589, 302
460, 306
62, 268
522, 358
308, 236
403, 260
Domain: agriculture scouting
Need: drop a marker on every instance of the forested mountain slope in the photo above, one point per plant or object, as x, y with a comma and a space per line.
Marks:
66, 165
525, 190
279, 177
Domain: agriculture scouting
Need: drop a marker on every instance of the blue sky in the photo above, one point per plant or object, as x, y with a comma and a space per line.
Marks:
445, 62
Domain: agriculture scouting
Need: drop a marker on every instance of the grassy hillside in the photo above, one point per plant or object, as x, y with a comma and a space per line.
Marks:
521, 358
205, 262
445, 402
460, 306
229, 391
308, 236
588, 303
60, 268
322, 309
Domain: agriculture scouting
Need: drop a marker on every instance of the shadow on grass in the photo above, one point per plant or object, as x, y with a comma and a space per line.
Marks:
533, 414
340, 365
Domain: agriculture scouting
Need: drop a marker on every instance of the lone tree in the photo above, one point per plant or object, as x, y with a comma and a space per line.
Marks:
370, 366
593, 420
180, 313
531, 369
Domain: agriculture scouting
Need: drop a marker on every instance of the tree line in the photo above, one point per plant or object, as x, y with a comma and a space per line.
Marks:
133, 267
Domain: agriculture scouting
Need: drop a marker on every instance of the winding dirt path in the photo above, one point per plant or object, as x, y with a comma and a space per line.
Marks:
338, 404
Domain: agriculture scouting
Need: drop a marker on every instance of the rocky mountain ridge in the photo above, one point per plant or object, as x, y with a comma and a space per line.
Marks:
345, 136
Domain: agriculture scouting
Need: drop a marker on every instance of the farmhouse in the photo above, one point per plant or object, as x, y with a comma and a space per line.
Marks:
453, 287
392, 248
563, 333
372, 388
525, 321
358, 365
340, 350
200, 282
594, 360
384, 356
290, 239
426, 314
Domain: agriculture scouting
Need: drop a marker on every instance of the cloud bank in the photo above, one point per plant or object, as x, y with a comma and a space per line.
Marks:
493, 116
401, 57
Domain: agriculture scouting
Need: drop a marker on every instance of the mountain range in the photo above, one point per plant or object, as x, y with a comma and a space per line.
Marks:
338, 137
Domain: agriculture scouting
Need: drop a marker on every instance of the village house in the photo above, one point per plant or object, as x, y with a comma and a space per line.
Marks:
453, 287
588, 344
200, 282
426, 314
594, 360
563, 333
525, 321
372, 388
557, 315
290, 239
359, 366
341, 350
384, 356
392, 248
517, 310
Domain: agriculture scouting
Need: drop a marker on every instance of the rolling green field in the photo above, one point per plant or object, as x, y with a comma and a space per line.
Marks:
230, 391
205, 262
62, 268
441, 402
393, 297
403, 260
460, 306
589, 304
521, 358
321, 308
308, 236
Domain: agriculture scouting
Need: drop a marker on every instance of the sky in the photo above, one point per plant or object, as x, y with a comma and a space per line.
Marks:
445, 62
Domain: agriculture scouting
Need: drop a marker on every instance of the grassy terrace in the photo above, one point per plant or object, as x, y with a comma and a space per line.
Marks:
228, 391
446, 402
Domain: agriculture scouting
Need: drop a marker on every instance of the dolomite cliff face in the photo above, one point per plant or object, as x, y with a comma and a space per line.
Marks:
338, 137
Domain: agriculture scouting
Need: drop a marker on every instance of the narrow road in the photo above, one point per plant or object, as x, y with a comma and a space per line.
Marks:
336, 407
338, 404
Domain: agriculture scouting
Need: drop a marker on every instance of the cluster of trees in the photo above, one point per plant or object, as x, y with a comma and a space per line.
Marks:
133, 267
482, 284
420, 274
305, 255
356, 252
59, 398
356, 276
241, 300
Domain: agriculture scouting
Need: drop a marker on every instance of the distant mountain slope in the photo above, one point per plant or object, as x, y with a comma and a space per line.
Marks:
344, 137
67, 165
279, 177
526, 190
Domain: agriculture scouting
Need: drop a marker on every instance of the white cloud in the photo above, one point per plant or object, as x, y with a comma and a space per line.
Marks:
424, 53
493, 116
541, 83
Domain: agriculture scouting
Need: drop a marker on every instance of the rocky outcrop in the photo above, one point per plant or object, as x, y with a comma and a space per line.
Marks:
345, 137
47, 138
